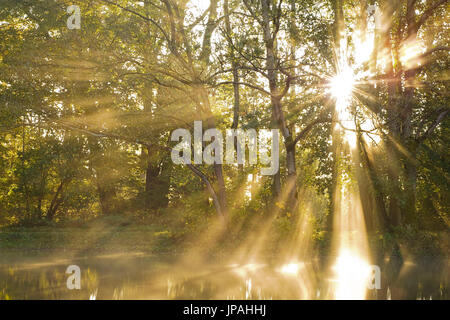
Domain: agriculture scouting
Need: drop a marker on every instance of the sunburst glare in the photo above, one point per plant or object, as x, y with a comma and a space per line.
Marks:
341, 88
342, 85
353, 274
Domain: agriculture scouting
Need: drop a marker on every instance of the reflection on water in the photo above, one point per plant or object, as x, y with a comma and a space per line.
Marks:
148, 277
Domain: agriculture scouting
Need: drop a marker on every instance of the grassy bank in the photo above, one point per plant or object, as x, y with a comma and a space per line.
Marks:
101, 235
166, 235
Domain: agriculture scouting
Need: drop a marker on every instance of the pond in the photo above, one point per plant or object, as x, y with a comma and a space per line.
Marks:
142, 276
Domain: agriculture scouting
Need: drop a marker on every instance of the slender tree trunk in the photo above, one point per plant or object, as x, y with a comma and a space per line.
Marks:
218, 169
57, 199
24, 178
234, 66
277, 112
410, 170
220, 191
151, 177
336, 142
395, 217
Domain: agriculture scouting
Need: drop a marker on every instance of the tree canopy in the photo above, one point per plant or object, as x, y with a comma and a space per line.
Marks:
357, 90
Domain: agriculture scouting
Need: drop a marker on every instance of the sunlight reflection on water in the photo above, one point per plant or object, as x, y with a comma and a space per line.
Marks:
142, 277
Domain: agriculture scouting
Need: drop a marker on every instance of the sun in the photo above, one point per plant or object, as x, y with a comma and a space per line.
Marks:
342, 84
341, 89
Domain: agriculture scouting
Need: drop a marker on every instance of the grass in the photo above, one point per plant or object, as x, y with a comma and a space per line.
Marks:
107, 234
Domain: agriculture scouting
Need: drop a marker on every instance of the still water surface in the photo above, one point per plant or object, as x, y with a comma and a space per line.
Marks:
140, 276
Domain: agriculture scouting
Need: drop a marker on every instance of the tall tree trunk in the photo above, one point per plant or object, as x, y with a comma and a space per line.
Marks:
234, 67
410, 170
336, 142
393, 137
220, 190
277, 112
210, 27
236, 91
219, 187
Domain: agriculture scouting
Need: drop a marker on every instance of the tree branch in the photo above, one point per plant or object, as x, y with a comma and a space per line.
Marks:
244, 84
433, 127
141, 16
428, 13
309, 127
